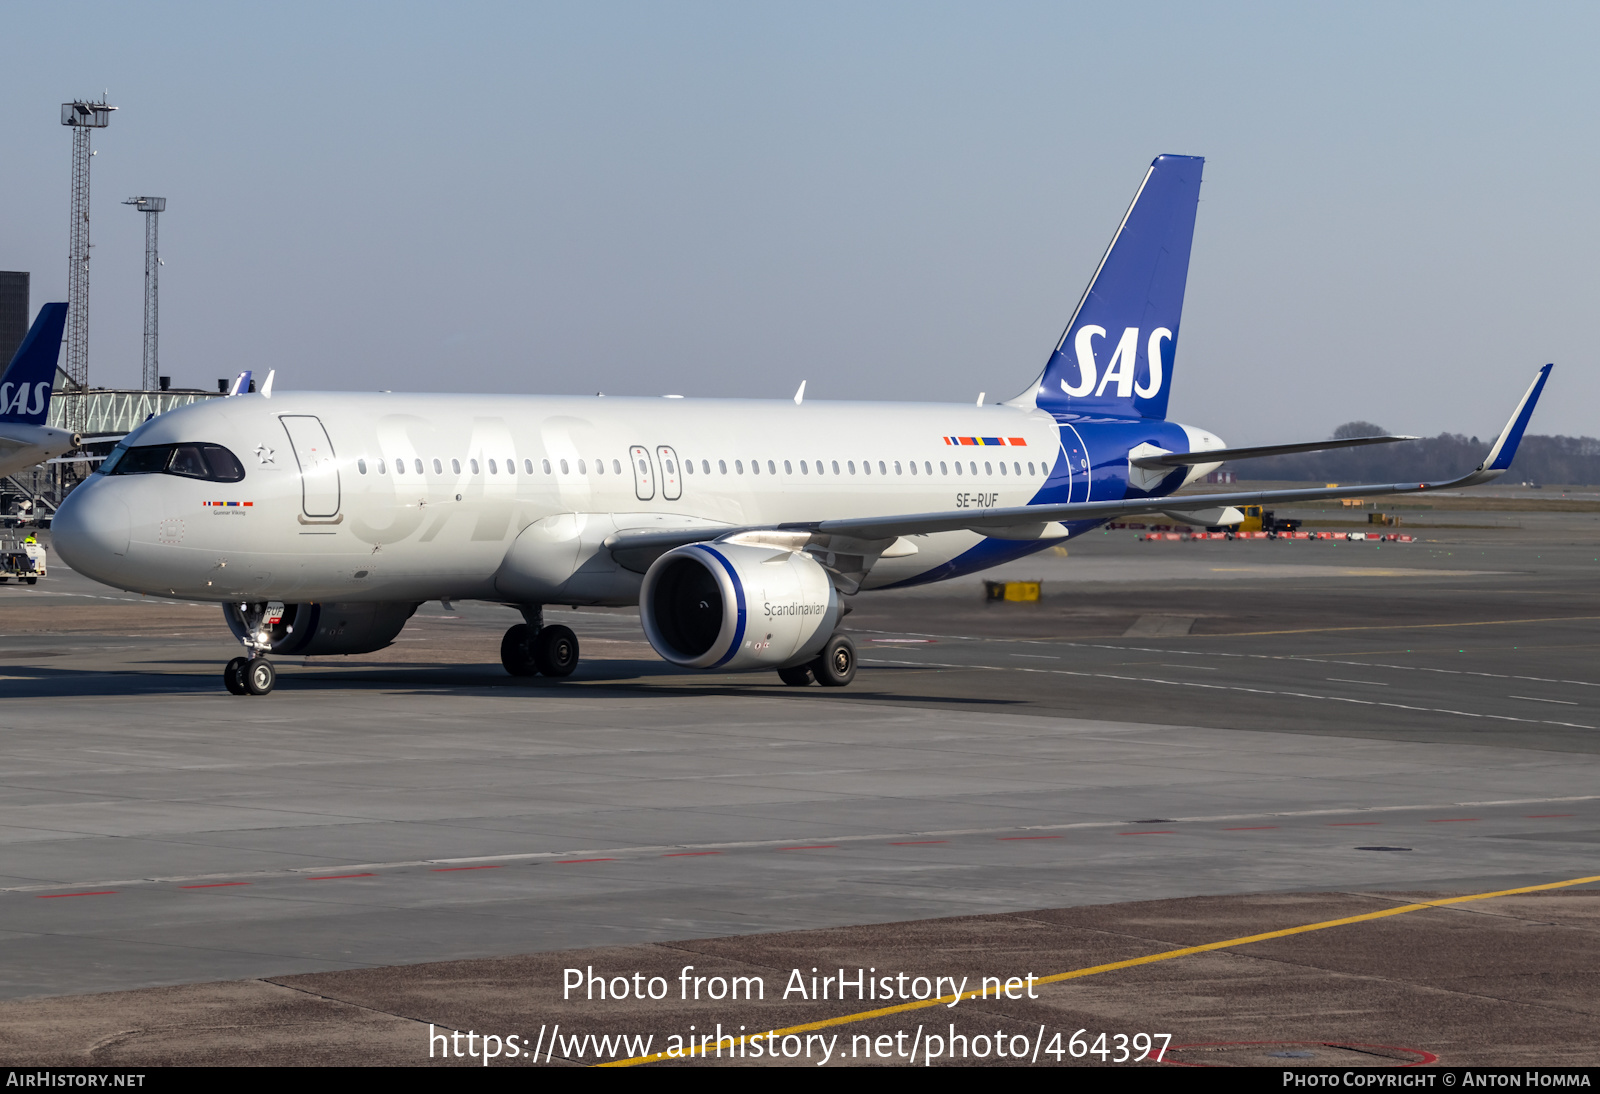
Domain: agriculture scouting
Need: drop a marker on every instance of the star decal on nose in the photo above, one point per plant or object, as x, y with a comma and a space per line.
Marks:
264, 454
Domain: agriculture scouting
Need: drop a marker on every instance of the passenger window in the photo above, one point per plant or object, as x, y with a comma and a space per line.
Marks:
511, 467
564, 467
897, 467
722, 466
616, 467
361, 466
738, 466
438, 468
835, 467
928, 467
913, 467
958, 467
988, 468
583, 468
1031, 471
974, 466
755, 467
772, 468
688, 467
527, 467
546, 466
788, 469
474, 465
943, 470
803, 469
380, 467
866, 467
599, 467
1017, 467
419, 466
455, 467
851, 464
882, 470
494, 468
399, 467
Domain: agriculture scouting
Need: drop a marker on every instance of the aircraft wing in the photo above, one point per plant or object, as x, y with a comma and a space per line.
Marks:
1031, 521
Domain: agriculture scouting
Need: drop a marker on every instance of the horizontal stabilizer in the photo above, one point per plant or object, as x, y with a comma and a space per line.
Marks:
1222, 455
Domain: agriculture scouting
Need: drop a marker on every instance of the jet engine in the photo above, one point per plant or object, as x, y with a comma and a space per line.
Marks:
737, 607
308, 630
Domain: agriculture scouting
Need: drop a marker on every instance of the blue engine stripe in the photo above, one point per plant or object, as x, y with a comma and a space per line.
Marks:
738, 593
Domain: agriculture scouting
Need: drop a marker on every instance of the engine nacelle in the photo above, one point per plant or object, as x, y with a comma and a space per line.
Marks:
309, 630
735, 607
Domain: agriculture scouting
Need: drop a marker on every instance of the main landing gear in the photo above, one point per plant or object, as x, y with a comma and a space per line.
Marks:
834, 668
533, 649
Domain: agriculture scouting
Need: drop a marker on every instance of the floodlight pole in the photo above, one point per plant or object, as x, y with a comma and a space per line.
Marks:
82, 117
152, 209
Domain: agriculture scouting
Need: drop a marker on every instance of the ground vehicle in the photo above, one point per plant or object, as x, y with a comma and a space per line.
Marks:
1257, 519
21, 557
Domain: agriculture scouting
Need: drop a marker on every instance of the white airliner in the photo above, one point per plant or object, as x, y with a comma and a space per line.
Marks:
320, 521
25, 396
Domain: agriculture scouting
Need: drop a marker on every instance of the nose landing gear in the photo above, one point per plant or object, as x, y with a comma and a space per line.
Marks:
531, 648
253, 674
247, 676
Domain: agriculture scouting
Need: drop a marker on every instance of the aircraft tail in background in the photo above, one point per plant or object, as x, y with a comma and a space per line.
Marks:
25, 387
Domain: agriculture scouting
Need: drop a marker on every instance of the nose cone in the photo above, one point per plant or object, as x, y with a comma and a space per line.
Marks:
91, 531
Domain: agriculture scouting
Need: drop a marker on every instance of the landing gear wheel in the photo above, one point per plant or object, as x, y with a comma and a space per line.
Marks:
516, 651
233, 676
259, 676
555, 651
797, 677
837, 665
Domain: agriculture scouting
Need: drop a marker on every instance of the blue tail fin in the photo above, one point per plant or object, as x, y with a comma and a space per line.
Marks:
25, 387
1117, 354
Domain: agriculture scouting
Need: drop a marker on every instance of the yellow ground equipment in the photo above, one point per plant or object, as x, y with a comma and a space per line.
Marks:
1020, 591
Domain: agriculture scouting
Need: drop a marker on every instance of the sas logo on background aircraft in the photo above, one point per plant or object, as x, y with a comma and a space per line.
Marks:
19, 405
1120, 368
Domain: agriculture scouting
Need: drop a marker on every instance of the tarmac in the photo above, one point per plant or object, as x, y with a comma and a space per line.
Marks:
1180, 744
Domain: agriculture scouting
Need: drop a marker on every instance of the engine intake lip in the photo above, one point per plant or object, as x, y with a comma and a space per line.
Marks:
693, 607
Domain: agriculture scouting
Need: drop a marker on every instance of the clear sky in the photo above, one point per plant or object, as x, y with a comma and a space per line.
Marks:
892, 201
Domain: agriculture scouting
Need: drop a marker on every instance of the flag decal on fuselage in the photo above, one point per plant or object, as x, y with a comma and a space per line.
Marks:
999, 442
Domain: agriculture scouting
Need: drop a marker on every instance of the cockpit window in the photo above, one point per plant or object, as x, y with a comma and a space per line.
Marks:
210, 462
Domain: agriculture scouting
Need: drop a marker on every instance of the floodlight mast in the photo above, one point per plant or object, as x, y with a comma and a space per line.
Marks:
82, 117
152, 208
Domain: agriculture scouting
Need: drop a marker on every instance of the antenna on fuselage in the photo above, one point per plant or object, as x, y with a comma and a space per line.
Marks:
266, 388
981, 394
799, 395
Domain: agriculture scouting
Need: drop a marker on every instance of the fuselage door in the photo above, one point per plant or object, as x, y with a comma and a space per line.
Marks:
644, 482
319, 471
671, 473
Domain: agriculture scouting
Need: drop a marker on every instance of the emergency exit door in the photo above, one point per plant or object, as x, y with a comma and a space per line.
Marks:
644, 482
319, 470
671, 473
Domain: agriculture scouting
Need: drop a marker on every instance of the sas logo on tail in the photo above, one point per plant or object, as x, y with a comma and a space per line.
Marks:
19, 404
1119, 368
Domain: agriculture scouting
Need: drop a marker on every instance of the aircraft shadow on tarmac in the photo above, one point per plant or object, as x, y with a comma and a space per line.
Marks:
637, 678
